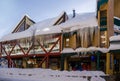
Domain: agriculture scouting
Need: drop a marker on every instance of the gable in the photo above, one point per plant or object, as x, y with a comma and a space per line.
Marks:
24, 24
61, 18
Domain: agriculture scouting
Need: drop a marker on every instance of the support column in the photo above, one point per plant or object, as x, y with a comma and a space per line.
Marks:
62, 62
44, 64
65, 64
98, 61
109, 63
47, 62
110, 19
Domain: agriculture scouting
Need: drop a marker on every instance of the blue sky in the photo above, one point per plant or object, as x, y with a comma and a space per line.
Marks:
11, 11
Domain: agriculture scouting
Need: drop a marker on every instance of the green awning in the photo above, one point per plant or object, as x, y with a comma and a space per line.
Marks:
116, 22
101, 2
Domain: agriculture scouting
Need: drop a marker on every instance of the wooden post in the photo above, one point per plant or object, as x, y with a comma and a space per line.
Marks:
109, 63
47, 61
62, 62
65, 64
98, 28
98, 61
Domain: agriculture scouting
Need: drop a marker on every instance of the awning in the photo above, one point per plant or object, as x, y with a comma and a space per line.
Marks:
101, 2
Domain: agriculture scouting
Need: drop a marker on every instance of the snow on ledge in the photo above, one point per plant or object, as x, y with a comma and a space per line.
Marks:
68, 50
91, 49
117, 18
114, 38
80, 49
114, 47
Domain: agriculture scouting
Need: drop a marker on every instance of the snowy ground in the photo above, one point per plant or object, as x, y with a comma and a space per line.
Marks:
38, 74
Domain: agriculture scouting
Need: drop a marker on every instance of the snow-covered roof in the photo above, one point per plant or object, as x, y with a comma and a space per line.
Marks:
80, 21
17, 35
38, 28
46, 26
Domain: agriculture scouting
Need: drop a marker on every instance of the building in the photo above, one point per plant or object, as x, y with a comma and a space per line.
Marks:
67, 42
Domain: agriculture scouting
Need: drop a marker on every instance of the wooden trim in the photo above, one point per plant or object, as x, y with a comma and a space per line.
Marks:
12, 48
42, 46
22, 21
21, 48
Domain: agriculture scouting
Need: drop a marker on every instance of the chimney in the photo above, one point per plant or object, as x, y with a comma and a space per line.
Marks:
73, 13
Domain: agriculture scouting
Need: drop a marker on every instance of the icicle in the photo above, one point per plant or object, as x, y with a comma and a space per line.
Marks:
86, 41
92, 30
88, 37
78, 36
96, 36
82, 31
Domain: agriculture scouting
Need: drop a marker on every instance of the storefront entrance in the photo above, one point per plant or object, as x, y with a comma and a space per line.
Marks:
88, 63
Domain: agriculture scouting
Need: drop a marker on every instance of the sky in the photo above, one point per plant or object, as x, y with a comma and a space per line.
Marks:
12, 11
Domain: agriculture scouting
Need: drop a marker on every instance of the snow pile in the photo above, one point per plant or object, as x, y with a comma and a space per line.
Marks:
39, 74
3, 63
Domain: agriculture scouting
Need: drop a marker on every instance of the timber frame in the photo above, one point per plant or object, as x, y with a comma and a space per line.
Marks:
27, 54
24, 24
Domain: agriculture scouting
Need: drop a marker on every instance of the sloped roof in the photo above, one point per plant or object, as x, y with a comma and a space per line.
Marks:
26, 20
80, 21
46, 26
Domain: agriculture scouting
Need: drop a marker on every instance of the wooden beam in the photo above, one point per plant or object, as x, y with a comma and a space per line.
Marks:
21, 48
12, 49
55, 44
29, 50
42, 46
110, 19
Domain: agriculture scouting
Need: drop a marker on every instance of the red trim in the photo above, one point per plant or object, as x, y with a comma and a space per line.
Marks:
45, 56
21, 48
29, 50
12, 49
42, 46
4, 50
